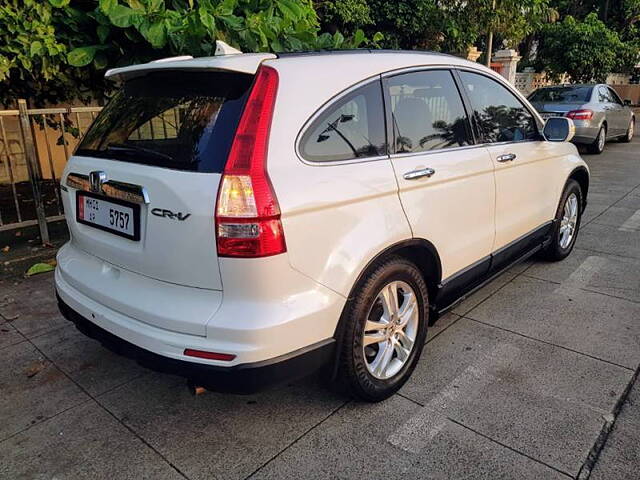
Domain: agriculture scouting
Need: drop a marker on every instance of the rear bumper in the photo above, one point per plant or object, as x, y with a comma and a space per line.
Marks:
241, 378
256, 319
586, 133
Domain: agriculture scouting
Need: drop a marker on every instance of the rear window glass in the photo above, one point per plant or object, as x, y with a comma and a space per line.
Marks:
562, 94
180, 120
352, 127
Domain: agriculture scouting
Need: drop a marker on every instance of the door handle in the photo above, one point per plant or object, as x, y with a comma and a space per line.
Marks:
507, 157
419, 173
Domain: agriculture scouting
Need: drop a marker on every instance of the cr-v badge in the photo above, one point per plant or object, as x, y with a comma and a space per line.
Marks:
161, 212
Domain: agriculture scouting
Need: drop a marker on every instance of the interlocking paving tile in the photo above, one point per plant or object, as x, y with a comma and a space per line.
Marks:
542, 400
83, 443
588, 322
86, 361
362, 441
32, 389
219, 435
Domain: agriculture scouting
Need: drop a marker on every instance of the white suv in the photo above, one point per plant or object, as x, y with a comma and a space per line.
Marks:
247, 219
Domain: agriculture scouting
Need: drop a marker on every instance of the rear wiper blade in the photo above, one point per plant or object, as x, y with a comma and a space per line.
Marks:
137, 149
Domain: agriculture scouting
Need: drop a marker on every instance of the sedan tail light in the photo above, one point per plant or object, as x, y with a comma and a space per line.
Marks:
247, 212
580, 114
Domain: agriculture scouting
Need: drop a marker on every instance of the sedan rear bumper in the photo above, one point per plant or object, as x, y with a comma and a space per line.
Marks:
586, 133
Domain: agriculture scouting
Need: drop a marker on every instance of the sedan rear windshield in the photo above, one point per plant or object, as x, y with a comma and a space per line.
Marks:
562, 95
181, 120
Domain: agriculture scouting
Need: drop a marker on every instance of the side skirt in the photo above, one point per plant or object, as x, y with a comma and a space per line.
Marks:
453, 291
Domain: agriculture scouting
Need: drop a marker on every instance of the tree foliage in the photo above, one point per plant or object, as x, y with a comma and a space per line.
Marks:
443, 25
57, 50
586, 50
34, 43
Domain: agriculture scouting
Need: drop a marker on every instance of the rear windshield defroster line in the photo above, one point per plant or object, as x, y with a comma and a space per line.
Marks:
175, 119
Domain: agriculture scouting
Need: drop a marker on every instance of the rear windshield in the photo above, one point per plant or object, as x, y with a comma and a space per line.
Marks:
181, 120
562, 95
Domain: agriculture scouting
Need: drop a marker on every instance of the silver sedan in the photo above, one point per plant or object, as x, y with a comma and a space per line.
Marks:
597, 111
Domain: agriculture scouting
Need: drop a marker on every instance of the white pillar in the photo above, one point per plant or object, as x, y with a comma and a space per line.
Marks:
508, 60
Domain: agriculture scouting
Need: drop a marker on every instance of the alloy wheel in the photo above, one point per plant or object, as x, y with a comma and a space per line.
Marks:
569, 221
390, 330
601, 139
630, 131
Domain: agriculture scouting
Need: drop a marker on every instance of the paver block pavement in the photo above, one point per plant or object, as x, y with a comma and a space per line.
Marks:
620, 457
360, 441
596, 272
214, 435
541, 400
611, 240
32, 302
83, 443
588, 322
9, 335
26, 401
88, 363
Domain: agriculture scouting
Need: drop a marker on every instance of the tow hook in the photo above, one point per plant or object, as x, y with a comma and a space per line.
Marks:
195, 389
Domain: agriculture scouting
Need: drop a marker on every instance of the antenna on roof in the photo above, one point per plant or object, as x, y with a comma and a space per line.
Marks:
224, 49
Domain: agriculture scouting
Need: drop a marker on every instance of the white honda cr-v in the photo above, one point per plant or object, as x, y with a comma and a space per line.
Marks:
247, 219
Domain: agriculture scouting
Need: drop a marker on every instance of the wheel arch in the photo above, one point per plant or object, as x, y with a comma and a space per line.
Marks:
419, 251
581, 175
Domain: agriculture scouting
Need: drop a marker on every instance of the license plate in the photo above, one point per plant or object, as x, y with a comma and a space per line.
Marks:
549, 115
114, 216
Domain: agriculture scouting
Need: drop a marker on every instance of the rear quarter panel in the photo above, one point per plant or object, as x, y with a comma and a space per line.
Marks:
336, 217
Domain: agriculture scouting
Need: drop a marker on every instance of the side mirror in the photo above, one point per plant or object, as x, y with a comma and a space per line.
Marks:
559, 129
627, 102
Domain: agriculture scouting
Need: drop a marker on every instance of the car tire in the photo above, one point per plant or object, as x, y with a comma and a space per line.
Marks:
381, 338
630, 131
566, 224
597, 147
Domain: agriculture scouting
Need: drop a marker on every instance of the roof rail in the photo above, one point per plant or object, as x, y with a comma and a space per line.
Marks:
355, 50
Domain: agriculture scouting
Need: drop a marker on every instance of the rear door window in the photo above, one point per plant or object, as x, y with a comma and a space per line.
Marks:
615, 98
351, 128
181, 120
500, 116
426, 112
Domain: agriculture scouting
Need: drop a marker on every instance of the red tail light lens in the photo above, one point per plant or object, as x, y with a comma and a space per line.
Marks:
225, 357
247, 212
580, 114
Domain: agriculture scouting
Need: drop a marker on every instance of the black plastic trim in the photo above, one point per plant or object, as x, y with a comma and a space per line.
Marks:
507, 254
243, 379
582, 170
462, 284
449, 290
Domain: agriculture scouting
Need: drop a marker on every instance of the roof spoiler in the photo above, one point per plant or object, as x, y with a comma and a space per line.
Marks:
226, 58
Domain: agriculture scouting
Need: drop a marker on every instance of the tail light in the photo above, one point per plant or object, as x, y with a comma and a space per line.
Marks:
247, 212
580, 114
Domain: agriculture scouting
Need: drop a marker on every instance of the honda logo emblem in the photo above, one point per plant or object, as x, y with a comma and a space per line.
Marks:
96, 179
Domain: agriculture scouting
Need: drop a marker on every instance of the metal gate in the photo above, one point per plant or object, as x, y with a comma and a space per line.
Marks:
35, 145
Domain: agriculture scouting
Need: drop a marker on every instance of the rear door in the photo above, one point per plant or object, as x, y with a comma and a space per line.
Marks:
141, 188
616, 112
446, 184
526, 170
